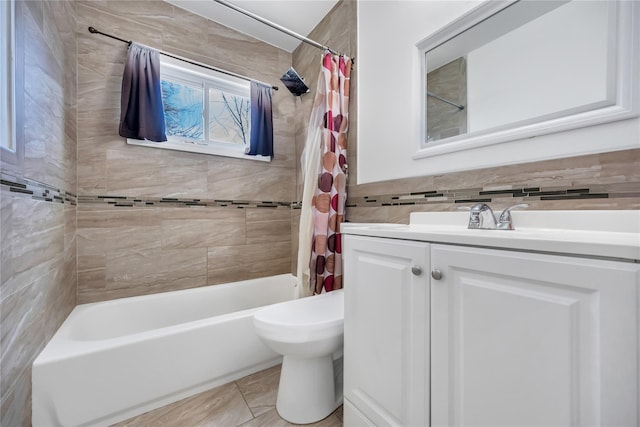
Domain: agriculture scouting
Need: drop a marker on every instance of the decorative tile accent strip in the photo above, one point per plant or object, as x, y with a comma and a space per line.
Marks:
40, 191
37, 190
479, 195
454, 197
125, 201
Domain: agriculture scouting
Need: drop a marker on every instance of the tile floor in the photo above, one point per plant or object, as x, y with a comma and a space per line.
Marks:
247, 402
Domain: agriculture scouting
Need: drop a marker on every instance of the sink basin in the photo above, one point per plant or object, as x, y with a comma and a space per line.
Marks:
602, 234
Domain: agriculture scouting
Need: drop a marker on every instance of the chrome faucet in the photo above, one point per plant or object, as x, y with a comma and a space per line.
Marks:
482, 217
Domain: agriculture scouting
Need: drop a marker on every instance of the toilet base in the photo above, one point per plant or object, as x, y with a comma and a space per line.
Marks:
307, 391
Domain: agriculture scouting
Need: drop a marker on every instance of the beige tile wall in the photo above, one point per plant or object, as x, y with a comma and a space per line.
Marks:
134, 251
107, 165
38, 238
125, 251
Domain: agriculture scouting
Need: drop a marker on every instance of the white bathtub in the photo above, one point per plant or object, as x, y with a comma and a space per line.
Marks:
116, 359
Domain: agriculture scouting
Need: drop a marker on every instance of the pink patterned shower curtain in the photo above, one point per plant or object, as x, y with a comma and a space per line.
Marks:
331, 195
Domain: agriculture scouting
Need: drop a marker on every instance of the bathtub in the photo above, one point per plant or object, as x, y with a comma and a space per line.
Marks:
116, 359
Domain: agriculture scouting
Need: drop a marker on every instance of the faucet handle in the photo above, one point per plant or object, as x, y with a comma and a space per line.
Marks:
474, 215
505, 222
481, 216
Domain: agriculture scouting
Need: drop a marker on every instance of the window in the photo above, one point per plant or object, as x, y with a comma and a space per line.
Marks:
7, 116
205, 111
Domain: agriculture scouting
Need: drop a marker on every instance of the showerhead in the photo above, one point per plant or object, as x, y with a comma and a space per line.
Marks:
294, 82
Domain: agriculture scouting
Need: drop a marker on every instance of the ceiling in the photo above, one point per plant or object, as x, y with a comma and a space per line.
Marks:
300, 16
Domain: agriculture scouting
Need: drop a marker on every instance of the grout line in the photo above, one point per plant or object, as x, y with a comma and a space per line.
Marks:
245, 400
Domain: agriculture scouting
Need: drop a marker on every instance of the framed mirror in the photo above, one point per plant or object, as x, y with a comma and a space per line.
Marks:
512, 70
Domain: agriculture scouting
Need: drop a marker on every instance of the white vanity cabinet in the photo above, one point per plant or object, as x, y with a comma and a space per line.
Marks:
386, 332
487, 337
525, 339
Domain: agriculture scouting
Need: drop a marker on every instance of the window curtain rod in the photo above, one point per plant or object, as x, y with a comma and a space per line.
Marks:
278, 27
180, 58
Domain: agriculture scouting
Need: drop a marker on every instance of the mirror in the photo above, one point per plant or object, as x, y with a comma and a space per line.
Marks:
519, 69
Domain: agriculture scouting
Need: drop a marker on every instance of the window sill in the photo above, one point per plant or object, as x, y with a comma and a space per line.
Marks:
200, 149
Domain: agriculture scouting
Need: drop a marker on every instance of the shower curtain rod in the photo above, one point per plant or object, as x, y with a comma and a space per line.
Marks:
433, 95
279, 27
180, 58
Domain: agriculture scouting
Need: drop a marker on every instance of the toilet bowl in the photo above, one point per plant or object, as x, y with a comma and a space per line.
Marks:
307, 332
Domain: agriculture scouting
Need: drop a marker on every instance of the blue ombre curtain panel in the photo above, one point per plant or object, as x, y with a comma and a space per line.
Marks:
261, 142
141, 113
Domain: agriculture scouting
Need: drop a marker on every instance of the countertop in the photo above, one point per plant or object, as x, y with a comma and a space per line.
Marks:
601, 234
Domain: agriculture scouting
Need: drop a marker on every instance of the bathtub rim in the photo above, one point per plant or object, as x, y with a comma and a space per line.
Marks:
62, 345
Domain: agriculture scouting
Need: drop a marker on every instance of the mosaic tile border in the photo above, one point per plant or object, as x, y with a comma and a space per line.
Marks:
128, 201
48, 193
488, 195
457, 196
36, 190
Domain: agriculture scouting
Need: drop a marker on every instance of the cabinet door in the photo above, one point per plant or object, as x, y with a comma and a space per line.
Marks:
386, 331
531, 339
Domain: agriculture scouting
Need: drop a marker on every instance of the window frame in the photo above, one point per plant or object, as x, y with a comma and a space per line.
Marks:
8, 77
181, 72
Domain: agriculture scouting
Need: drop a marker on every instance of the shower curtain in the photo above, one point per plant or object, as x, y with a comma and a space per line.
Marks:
324, 166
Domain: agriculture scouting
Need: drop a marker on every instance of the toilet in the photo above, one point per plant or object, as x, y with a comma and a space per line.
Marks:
308, 332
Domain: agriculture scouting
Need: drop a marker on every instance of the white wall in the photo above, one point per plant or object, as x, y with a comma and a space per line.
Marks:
499, 88
388, 67
389, 99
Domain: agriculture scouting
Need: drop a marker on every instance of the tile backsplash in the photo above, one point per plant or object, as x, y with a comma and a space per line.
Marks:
505, 195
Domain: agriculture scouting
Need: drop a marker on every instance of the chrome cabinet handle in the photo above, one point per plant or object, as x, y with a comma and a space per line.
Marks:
436, 274
416, 270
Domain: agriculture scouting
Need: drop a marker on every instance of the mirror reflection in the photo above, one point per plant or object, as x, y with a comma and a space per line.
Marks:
530, 62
